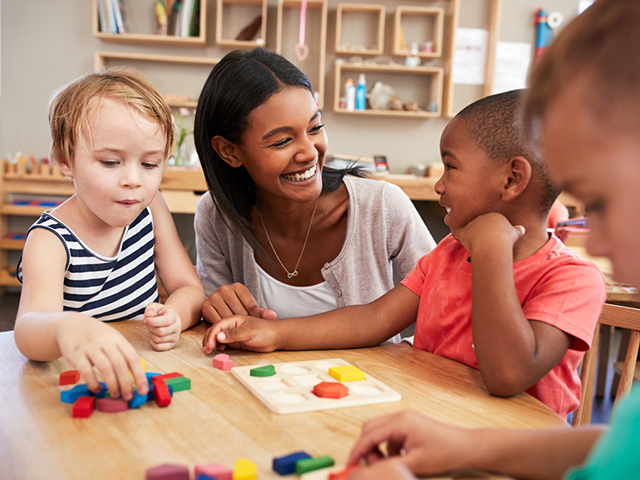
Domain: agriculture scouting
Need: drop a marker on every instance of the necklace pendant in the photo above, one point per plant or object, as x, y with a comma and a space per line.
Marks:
292, 274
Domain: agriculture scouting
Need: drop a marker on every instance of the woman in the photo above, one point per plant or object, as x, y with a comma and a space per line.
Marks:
278, 234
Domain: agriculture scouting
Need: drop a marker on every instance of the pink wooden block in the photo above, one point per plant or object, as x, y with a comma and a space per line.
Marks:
112, 405
215, 470
168, 472
222, 361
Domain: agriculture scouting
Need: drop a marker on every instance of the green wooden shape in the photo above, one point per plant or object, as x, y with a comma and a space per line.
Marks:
310, 464
265, 371
179, 383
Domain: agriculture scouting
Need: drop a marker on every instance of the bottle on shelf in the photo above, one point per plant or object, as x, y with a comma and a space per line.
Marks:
361, 93
350, 94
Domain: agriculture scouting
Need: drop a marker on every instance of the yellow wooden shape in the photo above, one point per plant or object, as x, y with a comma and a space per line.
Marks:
346, 373
244, 470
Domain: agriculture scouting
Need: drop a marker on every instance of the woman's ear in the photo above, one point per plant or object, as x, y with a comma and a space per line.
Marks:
518, 178
226, 150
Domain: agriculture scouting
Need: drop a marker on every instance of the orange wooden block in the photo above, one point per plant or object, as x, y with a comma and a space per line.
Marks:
330, 390
344, 474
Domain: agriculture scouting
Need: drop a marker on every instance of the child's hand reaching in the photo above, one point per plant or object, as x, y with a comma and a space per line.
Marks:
87, 343
425, 446
164, 326
246, 333
486, 230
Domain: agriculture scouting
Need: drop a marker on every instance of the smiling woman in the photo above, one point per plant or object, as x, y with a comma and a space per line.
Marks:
278, 234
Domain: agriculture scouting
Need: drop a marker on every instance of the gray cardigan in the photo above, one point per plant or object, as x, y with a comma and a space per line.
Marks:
382, 226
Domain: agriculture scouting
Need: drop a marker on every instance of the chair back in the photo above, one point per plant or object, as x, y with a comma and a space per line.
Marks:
616, 316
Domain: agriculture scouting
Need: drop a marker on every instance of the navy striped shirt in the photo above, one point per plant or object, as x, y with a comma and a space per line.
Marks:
116, 288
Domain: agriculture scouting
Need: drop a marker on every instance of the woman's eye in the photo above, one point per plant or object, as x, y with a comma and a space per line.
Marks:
281, 143
317, 128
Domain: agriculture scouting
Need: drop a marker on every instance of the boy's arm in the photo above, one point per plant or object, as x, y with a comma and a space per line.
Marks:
512, 352
174, 267
43, 331
346, 327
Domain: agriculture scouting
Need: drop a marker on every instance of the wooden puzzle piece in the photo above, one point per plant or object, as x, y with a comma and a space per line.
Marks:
264, 371
179, 383
168, 472
83, 407
161, 391
287, 464
70, 377
330, 390
215, 470
309, 464
343, 474
112, 405
347, 373
222, 362
70, 396
244, 470
138, 400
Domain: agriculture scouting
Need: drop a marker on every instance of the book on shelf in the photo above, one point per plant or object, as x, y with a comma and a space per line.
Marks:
112, 16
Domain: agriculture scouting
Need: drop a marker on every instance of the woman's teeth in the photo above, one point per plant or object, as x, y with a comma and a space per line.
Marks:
299, 177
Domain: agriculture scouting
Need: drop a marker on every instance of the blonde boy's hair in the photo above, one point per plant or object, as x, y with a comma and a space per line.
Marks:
72, 105
600, 46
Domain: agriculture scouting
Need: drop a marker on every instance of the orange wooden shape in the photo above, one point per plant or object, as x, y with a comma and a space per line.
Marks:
330, 390
70, 377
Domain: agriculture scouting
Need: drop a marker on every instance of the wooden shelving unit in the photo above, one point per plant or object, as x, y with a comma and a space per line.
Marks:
153, 39
362, 9
435, 15
101, 59
262, 33
434, 74
318, 48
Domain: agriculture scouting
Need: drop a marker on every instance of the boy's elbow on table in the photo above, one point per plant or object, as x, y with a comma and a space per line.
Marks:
504, 383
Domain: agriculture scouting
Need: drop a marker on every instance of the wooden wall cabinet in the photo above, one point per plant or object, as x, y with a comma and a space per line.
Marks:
433, 21
226, 7
361, 10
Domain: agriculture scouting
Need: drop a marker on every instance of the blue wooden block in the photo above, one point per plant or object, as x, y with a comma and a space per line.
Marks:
204, 476
70, 396
137, 399
151, 375
102, 393
287, 464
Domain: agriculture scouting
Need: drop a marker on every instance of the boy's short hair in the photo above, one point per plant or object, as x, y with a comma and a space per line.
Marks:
495, 124
72, 105
600, 47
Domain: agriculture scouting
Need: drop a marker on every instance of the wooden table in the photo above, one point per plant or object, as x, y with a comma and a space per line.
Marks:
218, 420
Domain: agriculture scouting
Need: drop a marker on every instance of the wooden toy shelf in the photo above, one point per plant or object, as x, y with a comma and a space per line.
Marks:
259, 6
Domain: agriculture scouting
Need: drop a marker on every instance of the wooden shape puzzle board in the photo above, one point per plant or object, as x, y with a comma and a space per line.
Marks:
290, 389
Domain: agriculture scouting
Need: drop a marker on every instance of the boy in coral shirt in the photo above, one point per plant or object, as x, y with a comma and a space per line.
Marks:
534, 304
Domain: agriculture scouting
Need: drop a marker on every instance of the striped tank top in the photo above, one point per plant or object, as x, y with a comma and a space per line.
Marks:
116, 288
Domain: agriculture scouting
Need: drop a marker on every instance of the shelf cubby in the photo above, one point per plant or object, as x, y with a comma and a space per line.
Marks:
419, 25
246, 11
359, 22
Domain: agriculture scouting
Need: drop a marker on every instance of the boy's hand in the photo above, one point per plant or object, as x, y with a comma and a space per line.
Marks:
488, 230
231, 300
87, 343
425, 446
392, 469
164, 326
241, 332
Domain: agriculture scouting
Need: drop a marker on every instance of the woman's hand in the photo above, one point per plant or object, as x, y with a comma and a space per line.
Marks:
164, 326
231, 300
425, 446
87, 343
241, 332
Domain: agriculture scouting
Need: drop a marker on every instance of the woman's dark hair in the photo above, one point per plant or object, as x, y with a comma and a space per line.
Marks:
237, 85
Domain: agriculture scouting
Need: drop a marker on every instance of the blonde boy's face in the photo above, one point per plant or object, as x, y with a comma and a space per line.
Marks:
119, 173
469, 186
600, 165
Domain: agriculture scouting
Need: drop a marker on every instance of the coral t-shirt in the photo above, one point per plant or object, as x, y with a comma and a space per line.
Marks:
554, 286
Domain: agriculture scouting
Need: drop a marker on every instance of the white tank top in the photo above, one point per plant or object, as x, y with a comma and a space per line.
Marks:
289, 301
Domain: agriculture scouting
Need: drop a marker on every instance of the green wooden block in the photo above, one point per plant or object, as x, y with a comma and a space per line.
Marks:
266, 371
310, 464
179, 383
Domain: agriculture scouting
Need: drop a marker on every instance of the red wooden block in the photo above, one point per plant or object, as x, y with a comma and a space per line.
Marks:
83, 407
330, 390
168, 472
161, 392
166, 376
214, 470
344, 474
222, 361
112, 405
70, 377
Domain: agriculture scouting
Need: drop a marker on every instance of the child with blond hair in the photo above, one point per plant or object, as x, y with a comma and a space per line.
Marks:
94, 258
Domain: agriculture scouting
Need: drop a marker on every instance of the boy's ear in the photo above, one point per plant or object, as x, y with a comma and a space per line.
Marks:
64, 167
518, 178
227, 151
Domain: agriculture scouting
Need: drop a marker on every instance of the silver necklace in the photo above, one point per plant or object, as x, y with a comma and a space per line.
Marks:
295, 270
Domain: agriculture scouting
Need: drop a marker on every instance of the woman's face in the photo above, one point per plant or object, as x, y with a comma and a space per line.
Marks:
284, 146
598, 162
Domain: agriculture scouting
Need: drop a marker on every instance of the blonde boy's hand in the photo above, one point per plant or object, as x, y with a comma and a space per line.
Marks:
392, 469
164, 326
488, 230
87, 343
425, 446
235, 299
241, 332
